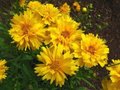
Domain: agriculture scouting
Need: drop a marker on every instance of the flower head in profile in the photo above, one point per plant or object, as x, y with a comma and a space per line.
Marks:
92, 51
65, 9
65, 32
114, 69
109, 85
26, 31
56, 64
3, 69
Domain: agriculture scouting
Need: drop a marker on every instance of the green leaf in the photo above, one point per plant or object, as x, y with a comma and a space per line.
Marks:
27, 58
2, 27
81, 88
86, 81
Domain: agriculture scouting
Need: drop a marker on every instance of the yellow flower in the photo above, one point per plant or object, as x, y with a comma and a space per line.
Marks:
55, 64
65, 32
49, 13
77, 6
92, 51
22, 2
65, 9
3, 69
46, 13
35, 7
114, 70
26, 31
108, 85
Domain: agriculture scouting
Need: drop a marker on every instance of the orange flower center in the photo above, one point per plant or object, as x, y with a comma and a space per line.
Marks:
26, 28
65, 34
47, 33
55, 65
91, 50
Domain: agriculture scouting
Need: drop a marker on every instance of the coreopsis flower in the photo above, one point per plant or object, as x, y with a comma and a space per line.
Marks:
26, 31
65, 9
77, 6
35, 6
49, 13
56, 63
92, 51
3, 69
114, 69
109, 85
22, 2
65, 32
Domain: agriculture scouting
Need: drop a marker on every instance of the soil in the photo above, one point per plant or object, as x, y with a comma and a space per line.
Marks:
110, 12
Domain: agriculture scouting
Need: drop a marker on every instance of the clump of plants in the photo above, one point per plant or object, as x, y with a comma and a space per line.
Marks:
45, 48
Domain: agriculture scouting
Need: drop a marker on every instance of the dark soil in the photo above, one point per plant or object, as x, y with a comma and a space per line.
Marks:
110, 9
110, 12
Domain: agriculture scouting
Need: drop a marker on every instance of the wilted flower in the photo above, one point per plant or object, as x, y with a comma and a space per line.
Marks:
77, 6
65, 9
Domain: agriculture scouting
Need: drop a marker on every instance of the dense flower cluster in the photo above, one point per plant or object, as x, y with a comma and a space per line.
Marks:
3, 69
64, 40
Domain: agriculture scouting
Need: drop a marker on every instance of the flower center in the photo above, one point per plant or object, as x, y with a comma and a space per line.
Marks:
47, 33
65, 34
55, 65
91, 50
26, 28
